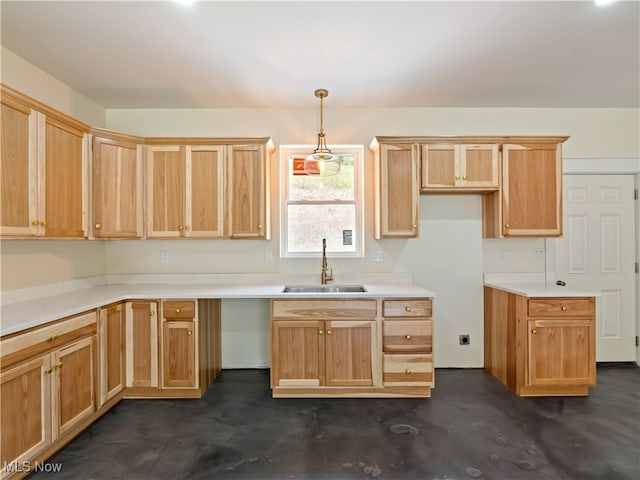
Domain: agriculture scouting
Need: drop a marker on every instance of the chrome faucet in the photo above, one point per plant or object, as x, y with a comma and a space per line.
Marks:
325, 277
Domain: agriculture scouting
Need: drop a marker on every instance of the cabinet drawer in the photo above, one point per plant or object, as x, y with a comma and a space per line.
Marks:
172, 309
20, 346
407, 336
407, 308
400, 369
560, 307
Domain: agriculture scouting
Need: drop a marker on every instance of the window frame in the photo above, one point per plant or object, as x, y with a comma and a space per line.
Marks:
357, 151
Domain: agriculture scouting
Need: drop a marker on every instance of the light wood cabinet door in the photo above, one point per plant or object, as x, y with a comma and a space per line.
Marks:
297, 353
397, 191
19, 183
179, 354
532, 190
111, 339
25, 410
205, 191
65, 185
349, 347
74, 384
117, 187
247, 189
464, 167
142, 344
166, 191
561, 352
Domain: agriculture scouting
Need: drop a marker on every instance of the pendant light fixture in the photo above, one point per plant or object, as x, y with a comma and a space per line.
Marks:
322, 162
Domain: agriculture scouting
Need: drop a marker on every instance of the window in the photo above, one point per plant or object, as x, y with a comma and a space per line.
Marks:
314, 207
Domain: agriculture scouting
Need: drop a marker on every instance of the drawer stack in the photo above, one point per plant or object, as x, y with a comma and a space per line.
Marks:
407, 343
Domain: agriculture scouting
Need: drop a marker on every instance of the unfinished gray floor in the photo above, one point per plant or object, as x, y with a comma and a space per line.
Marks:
472, 427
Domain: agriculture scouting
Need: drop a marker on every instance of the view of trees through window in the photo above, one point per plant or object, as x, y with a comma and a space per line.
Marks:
323, 207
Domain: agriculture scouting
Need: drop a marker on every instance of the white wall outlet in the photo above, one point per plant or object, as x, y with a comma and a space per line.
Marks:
268, 256
378, 256
538, 253
165, 258
500, 254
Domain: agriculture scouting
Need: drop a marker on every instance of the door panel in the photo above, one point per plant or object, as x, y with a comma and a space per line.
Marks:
597, 253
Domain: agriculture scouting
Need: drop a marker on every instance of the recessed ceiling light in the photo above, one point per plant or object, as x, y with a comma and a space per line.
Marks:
604, 2
186, 3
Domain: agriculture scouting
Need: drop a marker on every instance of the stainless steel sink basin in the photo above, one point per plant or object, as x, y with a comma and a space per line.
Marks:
324, 289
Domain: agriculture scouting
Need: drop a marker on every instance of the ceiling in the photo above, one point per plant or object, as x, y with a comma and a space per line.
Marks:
151, 54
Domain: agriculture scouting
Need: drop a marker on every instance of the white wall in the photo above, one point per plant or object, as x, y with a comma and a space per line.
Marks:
449, 257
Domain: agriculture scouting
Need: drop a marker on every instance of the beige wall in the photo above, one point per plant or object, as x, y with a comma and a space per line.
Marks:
449, 257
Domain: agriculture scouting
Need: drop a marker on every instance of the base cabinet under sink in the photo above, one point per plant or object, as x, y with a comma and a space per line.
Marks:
335, 348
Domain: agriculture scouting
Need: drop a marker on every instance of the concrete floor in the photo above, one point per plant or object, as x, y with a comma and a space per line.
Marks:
472, 427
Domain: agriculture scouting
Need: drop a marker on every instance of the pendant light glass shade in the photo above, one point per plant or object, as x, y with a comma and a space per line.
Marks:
321, 162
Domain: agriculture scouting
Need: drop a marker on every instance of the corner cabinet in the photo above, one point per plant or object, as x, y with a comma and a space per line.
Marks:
207, 188
396, 189
44, 165
529, 203
117, 188
540, 345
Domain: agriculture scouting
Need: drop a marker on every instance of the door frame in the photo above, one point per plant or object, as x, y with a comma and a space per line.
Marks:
602, 166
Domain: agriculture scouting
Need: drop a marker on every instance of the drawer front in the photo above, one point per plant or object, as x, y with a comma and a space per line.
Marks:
561, 307
407, 336
312, 309
398, 369
407, 308
182, 309
42, 339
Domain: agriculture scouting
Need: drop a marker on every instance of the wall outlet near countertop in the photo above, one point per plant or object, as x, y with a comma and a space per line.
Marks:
378, 256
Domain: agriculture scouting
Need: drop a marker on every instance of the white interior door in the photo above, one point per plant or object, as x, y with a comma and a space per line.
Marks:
597, 253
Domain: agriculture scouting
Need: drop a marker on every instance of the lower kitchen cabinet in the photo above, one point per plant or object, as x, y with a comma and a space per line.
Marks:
142, 343
48, 387
111, 346
179, 340
407, 344
321, 344
540, 346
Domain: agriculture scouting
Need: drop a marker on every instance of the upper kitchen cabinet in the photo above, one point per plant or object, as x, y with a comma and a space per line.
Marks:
117, 185
248, 190
192, 182
529, 203
44, 165
459, 168
185, 190
396, 188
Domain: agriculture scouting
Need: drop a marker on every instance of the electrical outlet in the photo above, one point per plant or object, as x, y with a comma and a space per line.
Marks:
500, 254
465, 339
378, 256
538, 253
165, 258
268, 256
263, 363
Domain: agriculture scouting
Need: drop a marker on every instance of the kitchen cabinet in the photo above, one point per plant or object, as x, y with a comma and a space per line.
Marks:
47, 386
117, 185
459, 168
529, 203
141, 343
396, 189
407, 344
540, 345
323, 347
111, 347
248, 191
185, 191
44, 164
179, 341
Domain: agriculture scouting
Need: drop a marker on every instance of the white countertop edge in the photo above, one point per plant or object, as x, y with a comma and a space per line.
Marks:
15, 317
540, 289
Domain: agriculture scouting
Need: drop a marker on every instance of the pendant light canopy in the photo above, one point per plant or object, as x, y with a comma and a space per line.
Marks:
322, 162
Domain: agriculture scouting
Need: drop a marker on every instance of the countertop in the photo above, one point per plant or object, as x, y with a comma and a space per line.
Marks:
18, 316
540, 289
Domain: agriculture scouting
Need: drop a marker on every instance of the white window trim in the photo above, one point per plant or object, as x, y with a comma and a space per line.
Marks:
283, 155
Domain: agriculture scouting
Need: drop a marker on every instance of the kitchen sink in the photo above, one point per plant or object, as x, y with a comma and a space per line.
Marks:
324, 289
